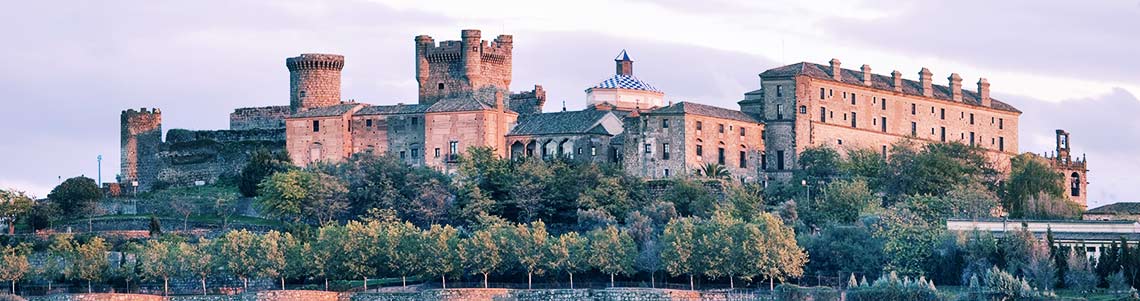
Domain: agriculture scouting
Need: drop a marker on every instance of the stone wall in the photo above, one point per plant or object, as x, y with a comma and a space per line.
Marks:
469, 129
314, 80
272, 117
206, 161
398, 135
455, 68
98, 297
182, 135
140, 139
474, 294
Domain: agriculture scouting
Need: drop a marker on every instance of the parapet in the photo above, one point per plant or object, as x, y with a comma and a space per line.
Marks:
140, 111
315, 61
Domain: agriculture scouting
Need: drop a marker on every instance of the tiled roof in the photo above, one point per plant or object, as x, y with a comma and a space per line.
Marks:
881, 82
621, 81
623, 56
1117, 208
393, 109
706, 110
459, 104
329, 111
572, 122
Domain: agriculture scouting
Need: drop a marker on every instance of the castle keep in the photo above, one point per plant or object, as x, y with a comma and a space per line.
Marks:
464, 101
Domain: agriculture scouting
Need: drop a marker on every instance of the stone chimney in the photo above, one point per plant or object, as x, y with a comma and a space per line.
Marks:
897, 77
955, 87
499, 101
866, 75
836, 71
984, 92
927, 80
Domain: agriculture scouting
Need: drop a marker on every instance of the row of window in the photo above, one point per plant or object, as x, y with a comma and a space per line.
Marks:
720, 157
700, 126
825, 93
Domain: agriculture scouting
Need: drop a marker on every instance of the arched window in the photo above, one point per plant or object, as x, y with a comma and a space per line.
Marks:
1075, 185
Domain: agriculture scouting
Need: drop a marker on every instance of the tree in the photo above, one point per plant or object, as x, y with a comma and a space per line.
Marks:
13, 206
184, 209
716, 245
690, 197
161, 260
841, 250
362, 245
198, 260
612, 251
403, 249
531, 177
785, 259
934, 168
77, 196
238, 254
440, 256
14, 264
908, 239
303, 195
678, 240
714, 171
43, 214
328, 252
569, 254
483, 252
1080, 276
530, 247
297, 258
842, 202
262, 164
154, 227
89, 262
1030, 176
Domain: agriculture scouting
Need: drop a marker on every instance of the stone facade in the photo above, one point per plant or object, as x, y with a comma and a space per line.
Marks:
320, 134
806, 105
272, 117
458, 68
680, 138
314, 80
140, 138
579, 135
1075, 171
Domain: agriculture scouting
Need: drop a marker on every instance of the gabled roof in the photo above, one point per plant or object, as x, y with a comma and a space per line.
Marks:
393, 109
881, 82
1117, 208
572, 122
705, 110
621, 81
329, 111
459, 104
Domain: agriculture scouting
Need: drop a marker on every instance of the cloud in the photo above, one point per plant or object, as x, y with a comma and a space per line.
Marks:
1102, 127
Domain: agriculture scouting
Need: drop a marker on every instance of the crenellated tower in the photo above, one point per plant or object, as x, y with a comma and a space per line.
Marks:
462, 68
140, 138
314, 80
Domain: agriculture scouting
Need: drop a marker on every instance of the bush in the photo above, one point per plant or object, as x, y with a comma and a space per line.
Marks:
788, 292
890, 287
7, 297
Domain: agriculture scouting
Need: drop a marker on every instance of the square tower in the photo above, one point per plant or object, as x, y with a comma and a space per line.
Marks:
140, 139
464, 67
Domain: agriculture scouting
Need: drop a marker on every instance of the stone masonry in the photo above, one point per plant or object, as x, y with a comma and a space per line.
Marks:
140, 137
272, 117
457, 68
314, 80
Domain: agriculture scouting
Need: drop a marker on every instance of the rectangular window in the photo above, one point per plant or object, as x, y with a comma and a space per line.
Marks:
1001, 144
720, 156
779, 160
700, 150
822, 114
402, 155
437, 152
453, 147
741, 131
664, 123
852, 98
943, 139
821, 94
913, 128
415, 120
720, 128
664, 151
883, 103
883, 124
743, 159
700, 125
316, 125
593, 151
943, 113
415, 153
666, 172
648, 148
853, 119
1001, 123
971, 138
913, 109
779, 111
971, 118
830, 92
884, 151
779, 91
368, 123
763, 161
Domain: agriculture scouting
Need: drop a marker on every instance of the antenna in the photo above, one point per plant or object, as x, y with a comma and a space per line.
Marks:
100, 176
564, 105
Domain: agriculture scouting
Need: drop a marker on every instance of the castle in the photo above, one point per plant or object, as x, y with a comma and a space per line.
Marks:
464, 101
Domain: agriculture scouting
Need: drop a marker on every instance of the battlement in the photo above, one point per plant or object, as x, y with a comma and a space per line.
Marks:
140, 112
315, 61
460, 67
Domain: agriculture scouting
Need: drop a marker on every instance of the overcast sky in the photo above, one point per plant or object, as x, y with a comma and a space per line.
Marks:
71, 66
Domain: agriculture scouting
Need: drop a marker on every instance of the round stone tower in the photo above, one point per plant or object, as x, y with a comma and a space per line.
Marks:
314, 80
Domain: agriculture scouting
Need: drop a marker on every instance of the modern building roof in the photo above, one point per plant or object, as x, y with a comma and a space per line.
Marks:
1117, 208
629, 82
393, 109
572, 122
705, 110
329, 111
881, 82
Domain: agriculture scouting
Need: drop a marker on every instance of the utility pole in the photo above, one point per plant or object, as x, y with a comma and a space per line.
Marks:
100, 176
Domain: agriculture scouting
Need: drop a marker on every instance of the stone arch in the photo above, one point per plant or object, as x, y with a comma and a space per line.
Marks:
315, 152
1075, 184
530, 145
518, 149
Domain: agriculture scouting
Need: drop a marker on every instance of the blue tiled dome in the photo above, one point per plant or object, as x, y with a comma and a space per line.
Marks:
625, 82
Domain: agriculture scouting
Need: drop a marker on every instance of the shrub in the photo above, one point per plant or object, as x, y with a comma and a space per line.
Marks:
890, 287
788, 292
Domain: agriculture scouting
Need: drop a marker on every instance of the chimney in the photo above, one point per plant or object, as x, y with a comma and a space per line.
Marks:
984, 92
955, 87
866, 75
499, 101
897, 77
836, 72
926, 78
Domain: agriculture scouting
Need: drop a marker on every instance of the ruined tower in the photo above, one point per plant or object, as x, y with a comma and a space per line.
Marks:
468, 67
1075, 171
314, 80
140, 137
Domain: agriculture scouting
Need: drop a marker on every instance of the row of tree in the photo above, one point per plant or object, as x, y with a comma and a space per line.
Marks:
719, 247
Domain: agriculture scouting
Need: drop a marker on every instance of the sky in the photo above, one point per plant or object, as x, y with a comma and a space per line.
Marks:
72, 66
